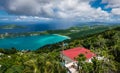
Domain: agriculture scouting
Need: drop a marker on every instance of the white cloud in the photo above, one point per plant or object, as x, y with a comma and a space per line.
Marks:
30, 7
24, 18
32, 18
81, 10
56, 9
116, 11
114, 4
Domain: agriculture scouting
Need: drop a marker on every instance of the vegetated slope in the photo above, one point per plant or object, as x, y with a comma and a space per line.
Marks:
78, 32
47, 60
105, 44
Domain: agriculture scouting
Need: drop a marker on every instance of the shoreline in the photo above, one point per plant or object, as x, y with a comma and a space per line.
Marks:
38, 38
63, 36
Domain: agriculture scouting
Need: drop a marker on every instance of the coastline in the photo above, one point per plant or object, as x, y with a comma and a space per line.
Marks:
62, 36
39, 41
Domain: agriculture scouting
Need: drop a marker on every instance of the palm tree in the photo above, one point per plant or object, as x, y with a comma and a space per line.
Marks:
81, 59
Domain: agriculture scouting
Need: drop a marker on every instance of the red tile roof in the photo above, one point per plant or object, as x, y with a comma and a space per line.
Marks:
74, 52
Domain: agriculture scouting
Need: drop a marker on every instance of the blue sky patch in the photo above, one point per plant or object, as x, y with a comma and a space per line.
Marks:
97, 4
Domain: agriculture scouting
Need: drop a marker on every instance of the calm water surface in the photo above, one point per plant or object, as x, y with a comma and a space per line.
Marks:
31, 42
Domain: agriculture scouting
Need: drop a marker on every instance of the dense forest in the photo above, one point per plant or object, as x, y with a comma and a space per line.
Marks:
47, 59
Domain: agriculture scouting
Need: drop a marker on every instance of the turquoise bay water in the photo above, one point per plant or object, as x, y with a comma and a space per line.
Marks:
31, 42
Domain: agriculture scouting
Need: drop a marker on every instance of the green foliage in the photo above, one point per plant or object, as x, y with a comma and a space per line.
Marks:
9, 51
47, 59
31, 63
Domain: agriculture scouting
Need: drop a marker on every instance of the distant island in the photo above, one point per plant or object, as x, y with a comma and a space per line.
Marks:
11, 26
78, 31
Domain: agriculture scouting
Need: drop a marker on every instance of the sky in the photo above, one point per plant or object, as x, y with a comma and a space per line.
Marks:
60, 10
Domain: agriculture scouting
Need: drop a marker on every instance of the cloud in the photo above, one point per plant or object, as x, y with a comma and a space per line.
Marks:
116, 11
81, 10
28, 7
60, 9
24, 18
114, 4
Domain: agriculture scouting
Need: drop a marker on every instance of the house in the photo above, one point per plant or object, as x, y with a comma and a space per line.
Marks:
69, 57
70, 54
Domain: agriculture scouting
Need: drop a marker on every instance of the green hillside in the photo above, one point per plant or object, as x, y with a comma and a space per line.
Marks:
47, 59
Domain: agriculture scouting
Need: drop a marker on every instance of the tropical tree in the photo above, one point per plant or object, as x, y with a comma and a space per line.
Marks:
80, 60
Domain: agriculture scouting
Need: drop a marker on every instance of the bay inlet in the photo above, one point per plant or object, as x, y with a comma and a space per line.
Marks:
31, 42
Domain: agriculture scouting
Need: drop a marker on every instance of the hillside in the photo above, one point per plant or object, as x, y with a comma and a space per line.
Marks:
105, 44
78, 32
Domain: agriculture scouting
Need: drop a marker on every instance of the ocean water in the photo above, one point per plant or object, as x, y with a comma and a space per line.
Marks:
31, 42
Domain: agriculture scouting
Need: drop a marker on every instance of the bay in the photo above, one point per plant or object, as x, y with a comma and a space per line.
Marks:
31, 42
